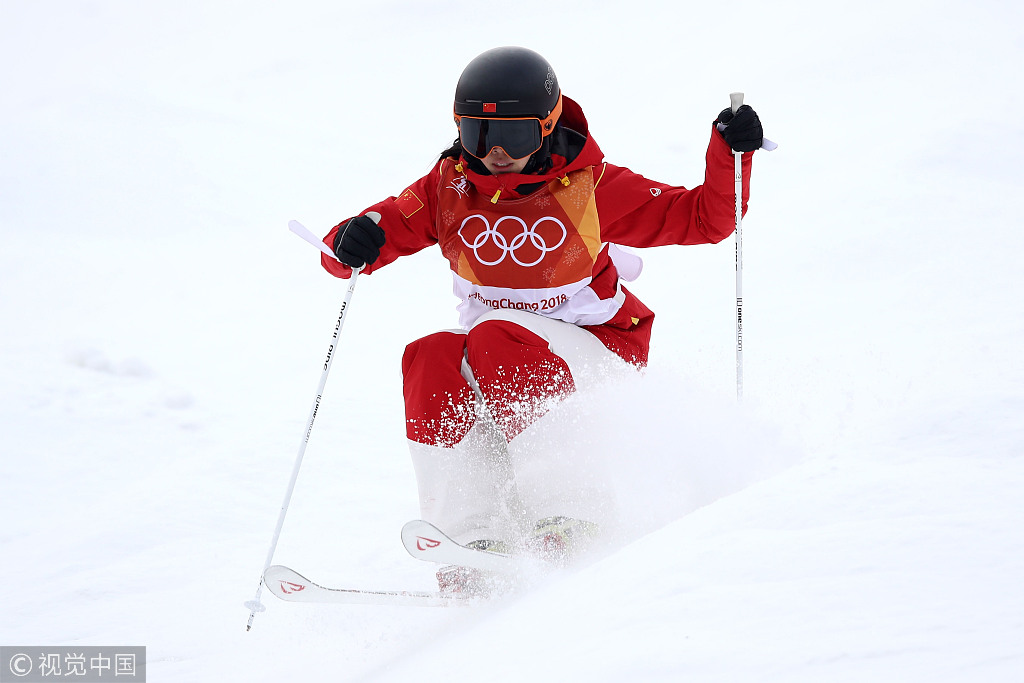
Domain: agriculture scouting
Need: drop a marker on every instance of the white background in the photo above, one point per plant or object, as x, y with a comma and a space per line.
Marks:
857, 518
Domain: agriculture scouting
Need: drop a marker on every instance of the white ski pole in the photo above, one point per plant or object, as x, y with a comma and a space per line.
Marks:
255, 605
735, 102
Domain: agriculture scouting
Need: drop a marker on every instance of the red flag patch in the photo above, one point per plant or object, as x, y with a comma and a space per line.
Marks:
490, 107
408, 203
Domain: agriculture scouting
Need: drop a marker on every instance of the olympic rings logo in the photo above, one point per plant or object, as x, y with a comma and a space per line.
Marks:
510, 248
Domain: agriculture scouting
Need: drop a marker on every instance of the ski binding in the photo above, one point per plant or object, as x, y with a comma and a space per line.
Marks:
424, 541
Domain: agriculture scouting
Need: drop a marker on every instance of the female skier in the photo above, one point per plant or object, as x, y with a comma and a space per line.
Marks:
531, 219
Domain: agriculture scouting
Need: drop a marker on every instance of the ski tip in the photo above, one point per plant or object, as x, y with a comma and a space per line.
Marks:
417, 524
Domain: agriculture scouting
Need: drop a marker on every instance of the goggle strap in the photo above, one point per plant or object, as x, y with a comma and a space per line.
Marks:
547, 124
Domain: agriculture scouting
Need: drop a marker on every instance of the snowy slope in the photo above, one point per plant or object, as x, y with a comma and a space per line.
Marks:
857, 518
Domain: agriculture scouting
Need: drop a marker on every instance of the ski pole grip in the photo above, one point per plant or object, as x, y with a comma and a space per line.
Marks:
375, 217
735, 101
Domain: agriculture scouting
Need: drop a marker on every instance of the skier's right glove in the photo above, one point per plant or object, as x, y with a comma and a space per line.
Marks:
358, 242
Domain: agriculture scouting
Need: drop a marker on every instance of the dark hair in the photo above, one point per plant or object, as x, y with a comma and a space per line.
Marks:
453, 152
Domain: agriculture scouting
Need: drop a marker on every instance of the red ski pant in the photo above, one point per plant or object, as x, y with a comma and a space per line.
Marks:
516, 364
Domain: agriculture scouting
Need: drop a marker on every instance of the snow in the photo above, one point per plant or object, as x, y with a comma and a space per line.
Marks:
856, 518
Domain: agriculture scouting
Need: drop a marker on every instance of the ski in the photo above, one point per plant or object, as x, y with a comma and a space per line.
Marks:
287, 584
424, 541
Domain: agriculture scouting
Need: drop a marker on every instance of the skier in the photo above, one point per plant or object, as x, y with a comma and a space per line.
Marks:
532, 221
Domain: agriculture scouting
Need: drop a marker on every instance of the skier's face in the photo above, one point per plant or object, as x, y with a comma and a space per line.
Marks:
498, 162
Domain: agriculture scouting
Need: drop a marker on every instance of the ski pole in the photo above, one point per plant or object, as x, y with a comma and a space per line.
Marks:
255, 605
735, 102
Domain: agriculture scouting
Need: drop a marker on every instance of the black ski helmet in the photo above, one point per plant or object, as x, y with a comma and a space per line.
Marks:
507, 82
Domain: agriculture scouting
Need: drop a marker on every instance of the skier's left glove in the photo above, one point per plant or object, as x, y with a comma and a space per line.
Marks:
358, 242
741, 130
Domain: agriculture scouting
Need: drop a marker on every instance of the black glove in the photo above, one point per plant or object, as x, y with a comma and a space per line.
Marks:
358, 242
742, 130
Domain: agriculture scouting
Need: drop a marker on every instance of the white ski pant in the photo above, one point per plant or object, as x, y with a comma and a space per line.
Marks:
506, 453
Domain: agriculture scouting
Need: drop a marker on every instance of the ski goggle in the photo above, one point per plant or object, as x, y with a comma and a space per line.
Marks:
517, 137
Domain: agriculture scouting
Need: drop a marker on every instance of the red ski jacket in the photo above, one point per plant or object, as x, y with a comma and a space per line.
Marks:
505, 267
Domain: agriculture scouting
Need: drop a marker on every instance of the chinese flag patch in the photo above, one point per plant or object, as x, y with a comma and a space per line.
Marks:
408, 203
490, 107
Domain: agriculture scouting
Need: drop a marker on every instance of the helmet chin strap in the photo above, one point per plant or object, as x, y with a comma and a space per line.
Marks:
540, 161
475, 164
